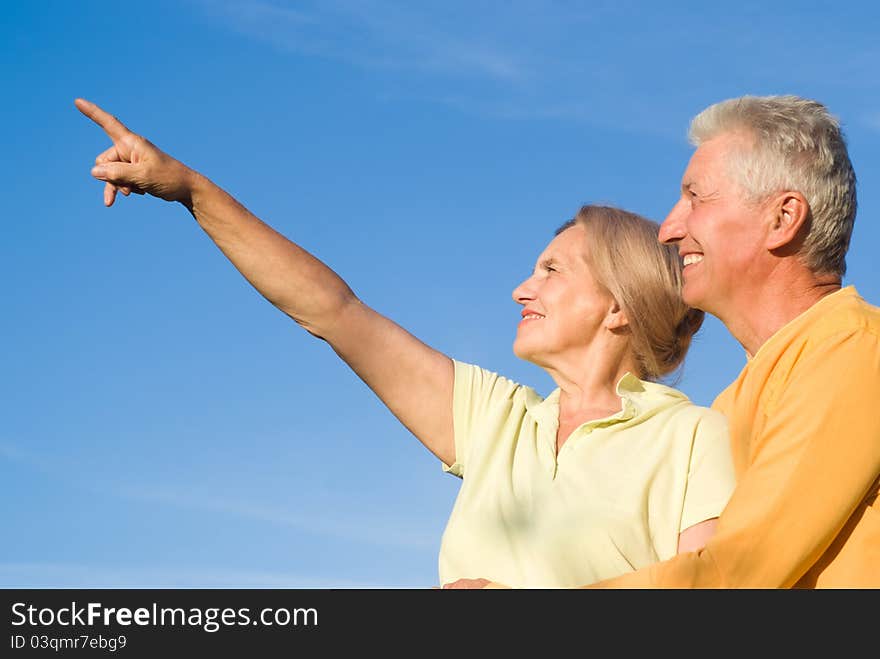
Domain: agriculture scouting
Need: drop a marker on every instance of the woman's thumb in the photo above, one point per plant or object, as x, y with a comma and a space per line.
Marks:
117, 173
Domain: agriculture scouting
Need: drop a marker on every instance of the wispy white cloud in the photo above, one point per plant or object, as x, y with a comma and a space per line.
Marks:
380, 531
77, 575
526, 59
627, 66
377, 531
17, 454
371, 34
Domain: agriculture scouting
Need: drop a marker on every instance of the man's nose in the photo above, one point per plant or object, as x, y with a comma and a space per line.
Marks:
672, 230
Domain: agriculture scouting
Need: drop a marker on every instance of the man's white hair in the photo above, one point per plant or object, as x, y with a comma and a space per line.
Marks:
796, 145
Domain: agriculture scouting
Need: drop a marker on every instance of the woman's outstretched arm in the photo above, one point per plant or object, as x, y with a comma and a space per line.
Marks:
412, 379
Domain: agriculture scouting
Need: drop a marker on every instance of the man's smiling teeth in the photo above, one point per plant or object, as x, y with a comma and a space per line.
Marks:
532, 316
690, 259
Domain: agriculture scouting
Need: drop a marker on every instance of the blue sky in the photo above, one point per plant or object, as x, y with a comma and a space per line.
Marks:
162, 424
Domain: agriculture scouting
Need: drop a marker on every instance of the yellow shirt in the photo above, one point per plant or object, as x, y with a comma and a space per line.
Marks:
614, 499
805, 432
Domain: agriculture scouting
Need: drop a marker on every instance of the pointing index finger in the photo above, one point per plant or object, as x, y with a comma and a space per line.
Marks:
111, 125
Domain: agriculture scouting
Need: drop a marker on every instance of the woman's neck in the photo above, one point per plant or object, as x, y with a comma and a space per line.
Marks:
588, 385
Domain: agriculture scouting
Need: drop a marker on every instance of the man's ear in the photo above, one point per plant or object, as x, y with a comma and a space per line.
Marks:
616, 319
790, 213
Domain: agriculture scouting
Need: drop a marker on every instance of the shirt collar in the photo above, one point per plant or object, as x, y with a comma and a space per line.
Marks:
636, 397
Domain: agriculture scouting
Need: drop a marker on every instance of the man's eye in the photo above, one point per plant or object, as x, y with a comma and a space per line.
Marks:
549, 268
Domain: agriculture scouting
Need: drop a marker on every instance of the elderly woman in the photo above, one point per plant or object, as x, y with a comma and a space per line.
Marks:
610, 472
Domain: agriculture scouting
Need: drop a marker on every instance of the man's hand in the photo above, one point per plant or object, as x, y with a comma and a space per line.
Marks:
133, 164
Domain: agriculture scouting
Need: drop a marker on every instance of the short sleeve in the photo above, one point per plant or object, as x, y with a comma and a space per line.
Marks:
711, 476
476, 391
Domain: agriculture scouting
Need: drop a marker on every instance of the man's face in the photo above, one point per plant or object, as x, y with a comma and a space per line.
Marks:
719, 234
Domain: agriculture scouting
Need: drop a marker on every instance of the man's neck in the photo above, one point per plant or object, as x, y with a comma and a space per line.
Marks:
772, 304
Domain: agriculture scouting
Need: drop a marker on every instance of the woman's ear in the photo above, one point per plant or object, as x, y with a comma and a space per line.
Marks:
616, 318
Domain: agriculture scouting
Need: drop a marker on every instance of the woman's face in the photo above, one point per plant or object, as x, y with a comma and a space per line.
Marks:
564, 308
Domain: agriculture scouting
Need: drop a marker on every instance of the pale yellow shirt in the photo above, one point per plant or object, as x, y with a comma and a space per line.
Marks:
613, 500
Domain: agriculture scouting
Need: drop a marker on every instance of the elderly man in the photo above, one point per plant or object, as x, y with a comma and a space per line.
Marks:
764, 221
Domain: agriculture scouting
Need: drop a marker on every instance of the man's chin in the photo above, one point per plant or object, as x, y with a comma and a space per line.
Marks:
692, 296
696, 301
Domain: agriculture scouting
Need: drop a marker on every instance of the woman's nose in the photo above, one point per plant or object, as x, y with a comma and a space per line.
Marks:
524, 292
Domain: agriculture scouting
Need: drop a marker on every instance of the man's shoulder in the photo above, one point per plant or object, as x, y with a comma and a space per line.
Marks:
836, 331
844, 312
858, 311
723, 402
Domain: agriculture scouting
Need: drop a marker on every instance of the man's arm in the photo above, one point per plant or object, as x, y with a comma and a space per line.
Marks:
811, 468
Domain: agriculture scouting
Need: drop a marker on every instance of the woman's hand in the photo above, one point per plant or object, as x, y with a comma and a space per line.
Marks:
414, 380
134, 164
466, 584
474, 584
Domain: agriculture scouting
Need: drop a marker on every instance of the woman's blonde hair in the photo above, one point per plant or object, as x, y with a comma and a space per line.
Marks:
644, 278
